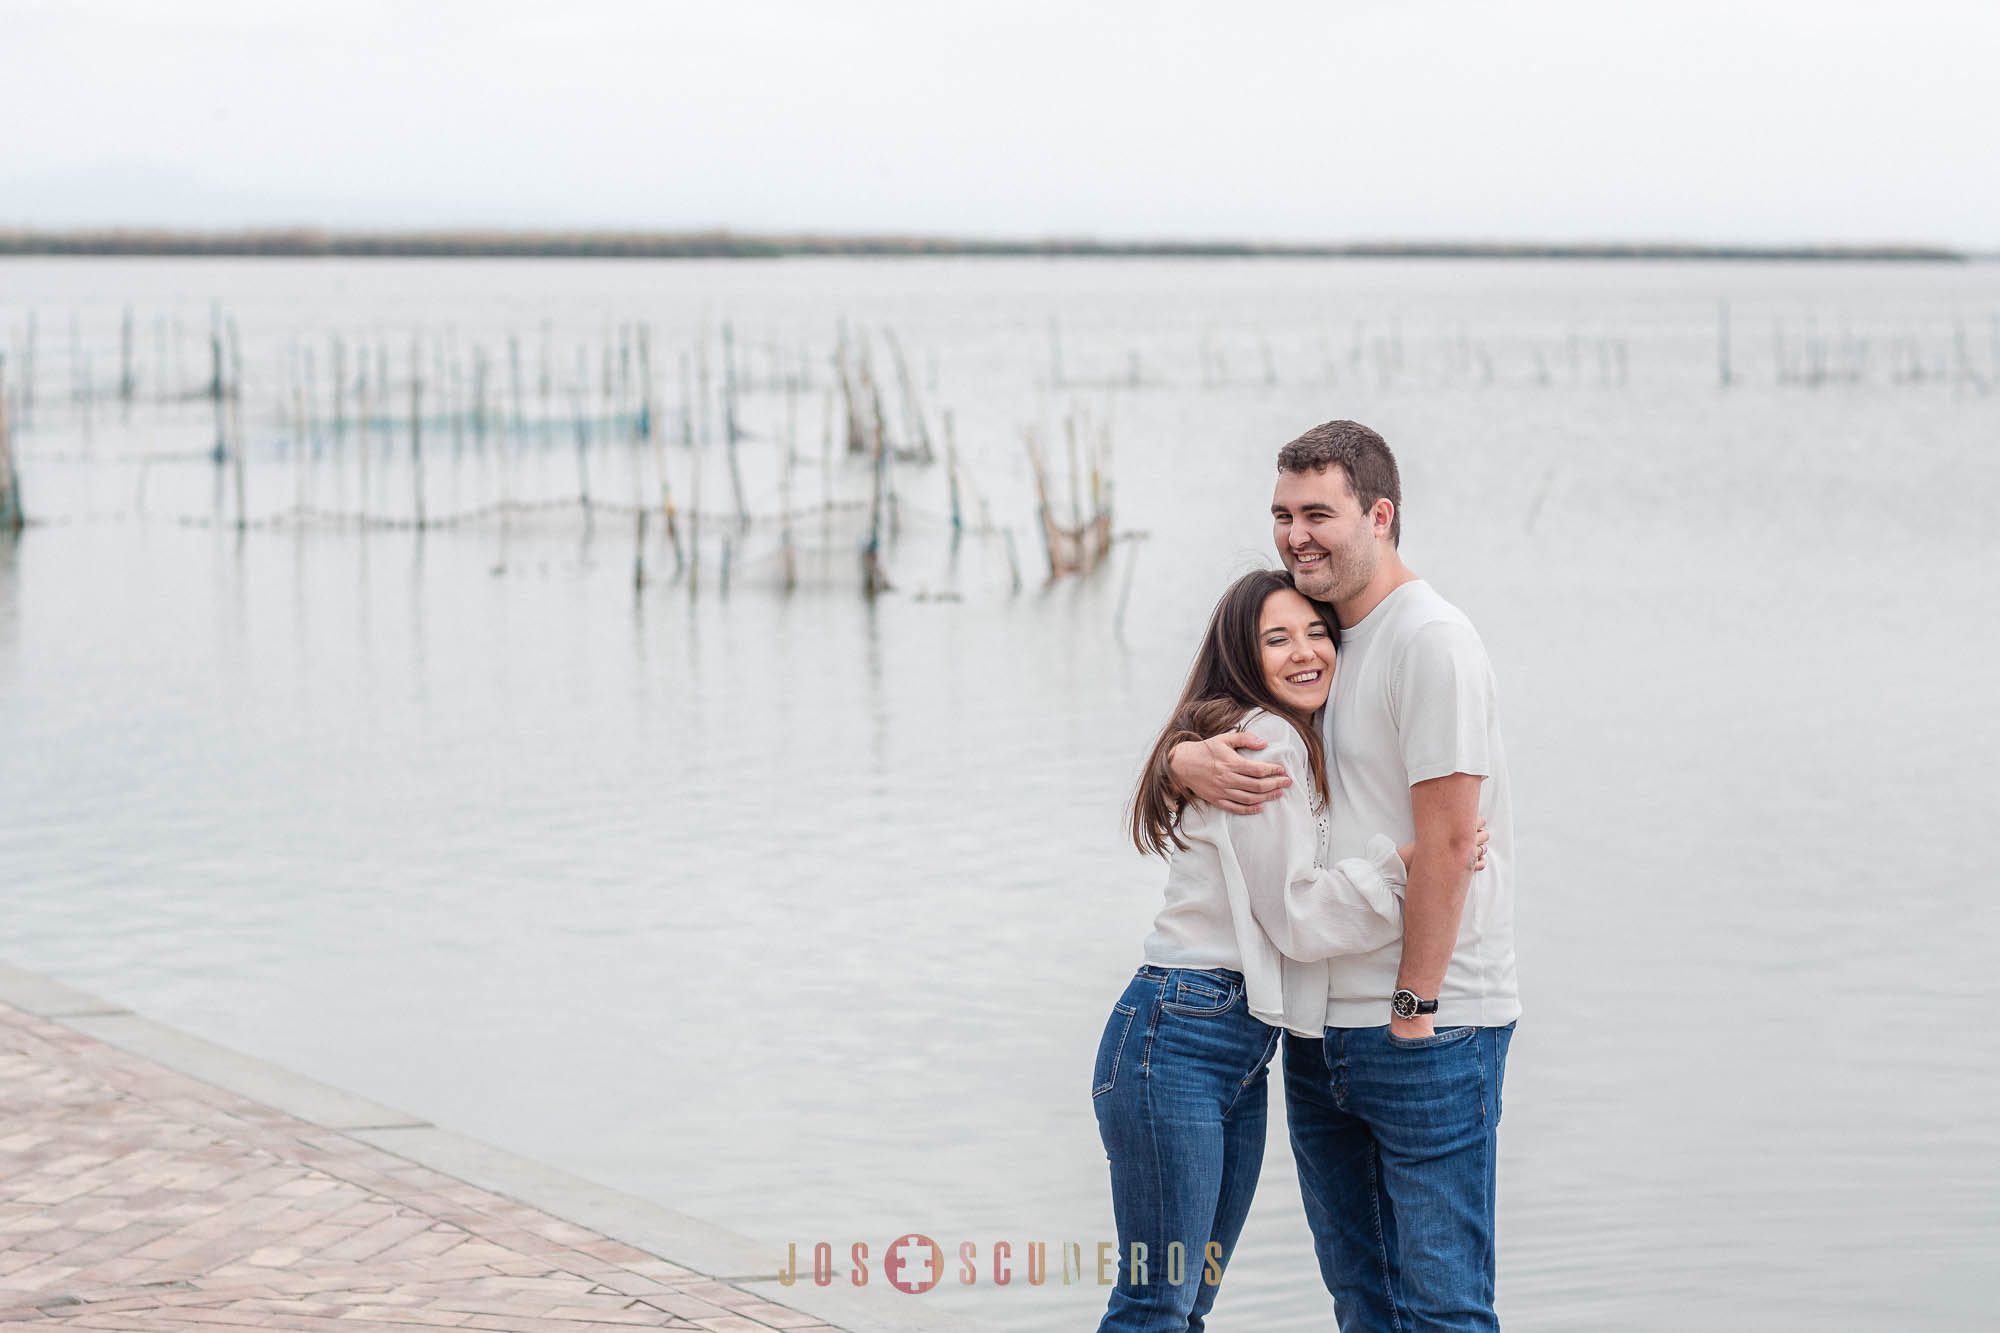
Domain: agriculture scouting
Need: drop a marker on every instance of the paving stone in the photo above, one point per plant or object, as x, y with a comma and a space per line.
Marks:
136, 1198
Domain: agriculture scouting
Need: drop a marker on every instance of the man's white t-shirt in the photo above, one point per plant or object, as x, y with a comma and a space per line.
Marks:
1414, 699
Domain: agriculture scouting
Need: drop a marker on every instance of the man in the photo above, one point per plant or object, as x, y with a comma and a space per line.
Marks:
1394, 1115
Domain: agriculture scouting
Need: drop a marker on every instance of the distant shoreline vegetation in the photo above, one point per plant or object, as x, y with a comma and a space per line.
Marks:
313, 243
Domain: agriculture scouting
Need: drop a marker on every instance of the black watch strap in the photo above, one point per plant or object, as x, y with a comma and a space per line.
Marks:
1405, 1004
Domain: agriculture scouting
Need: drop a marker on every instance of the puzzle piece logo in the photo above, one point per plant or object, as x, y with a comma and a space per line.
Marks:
913, 1264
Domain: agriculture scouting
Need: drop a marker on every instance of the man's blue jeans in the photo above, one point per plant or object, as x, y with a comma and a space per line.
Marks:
1395, 1142
1180, 1092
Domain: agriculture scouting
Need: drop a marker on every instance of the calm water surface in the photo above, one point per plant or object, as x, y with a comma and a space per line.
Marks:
803, 914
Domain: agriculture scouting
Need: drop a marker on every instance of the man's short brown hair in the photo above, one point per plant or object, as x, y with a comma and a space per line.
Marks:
1361, 454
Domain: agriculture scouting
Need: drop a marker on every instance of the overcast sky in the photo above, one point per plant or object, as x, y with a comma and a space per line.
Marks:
1821, 120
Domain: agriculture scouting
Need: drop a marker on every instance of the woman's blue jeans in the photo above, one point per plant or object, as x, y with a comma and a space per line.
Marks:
1180, 1093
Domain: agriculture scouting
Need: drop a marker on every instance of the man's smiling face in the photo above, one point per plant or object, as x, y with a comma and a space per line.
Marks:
1323, 536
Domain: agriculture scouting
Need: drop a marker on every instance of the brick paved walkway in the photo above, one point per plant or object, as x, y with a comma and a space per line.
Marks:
134, 1197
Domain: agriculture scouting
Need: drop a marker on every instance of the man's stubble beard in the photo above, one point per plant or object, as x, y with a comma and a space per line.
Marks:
1320, 583
1345, 575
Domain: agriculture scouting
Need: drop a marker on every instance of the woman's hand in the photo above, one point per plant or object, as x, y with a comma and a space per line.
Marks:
1212, 771
1408, 850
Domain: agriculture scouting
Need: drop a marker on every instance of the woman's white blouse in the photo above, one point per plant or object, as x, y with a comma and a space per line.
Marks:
1253, 893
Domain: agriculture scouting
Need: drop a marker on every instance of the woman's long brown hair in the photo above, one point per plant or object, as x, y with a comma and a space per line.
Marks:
1225, 682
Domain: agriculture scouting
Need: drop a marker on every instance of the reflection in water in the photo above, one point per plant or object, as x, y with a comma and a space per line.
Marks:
872, 683
420, 682
10, 623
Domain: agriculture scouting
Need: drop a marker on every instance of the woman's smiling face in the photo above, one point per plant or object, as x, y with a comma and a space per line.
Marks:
1297, 648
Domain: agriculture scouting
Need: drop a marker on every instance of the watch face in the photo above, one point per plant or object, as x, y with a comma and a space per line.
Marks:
1404, 1003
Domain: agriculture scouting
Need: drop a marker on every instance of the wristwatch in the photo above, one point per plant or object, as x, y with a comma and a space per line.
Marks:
1407, 1005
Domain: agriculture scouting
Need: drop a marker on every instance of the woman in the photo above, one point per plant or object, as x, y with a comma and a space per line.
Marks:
1237, 954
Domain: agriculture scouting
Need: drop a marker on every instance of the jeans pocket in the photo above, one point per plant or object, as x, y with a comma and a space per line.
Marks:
1200, 995
1442, 1037
1111, 1048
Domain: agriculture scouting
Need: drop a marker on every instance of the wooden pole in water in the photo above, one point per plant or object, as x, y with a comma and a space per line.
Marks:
878, 434
361, 410
692, 443
78, 384
639, 554
312, 402
127, 381
873, 579
1125, 590
87, 395
417, 427
482, 382
386, 391
951, 475
643, 341
339, 397
731, 433
514, 386
857, 441
611, 405
1104, 458
11, 519
637, 452
1075, 485
916, 431
476, 383
236, 429
790, 569
582, 432
516, 433
1962, 371
547, 377
1040, 470
221, 451
298, 440
649, 424
454, 388
826, 468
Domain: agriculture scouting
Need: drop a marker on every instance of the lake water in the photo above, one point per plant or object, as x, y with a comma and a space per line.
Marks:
802, 913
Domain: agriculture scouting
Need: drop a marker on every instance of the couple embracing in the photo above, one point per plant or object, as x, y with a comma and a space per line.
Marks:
1331, 795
